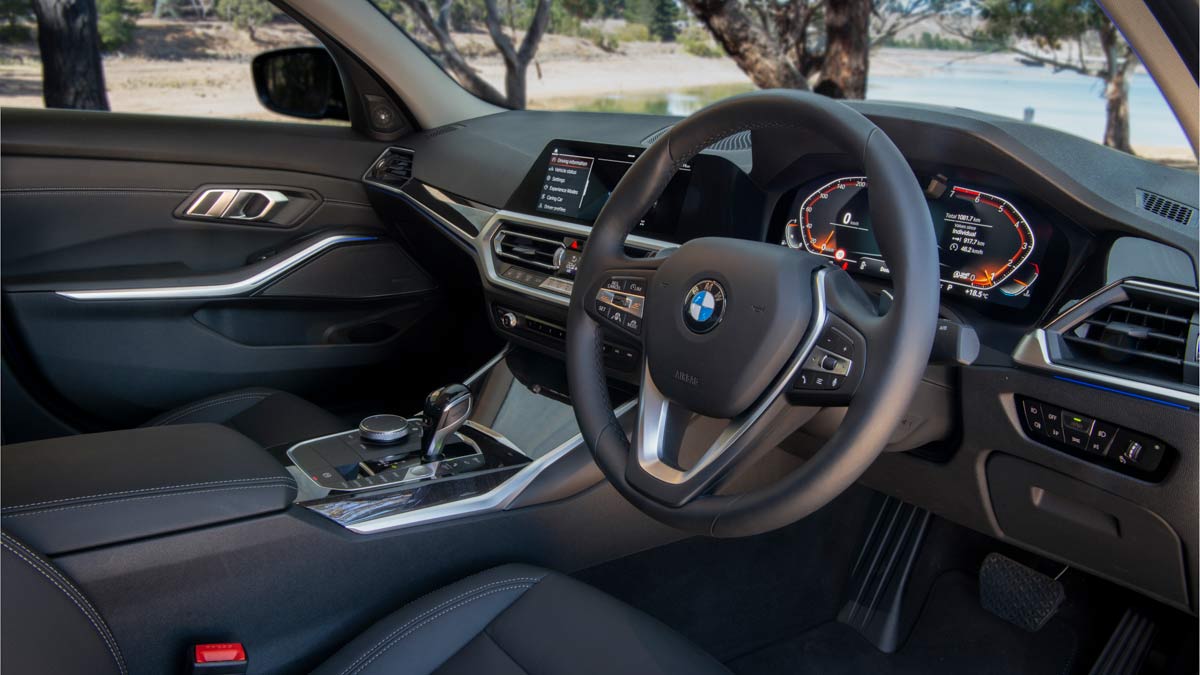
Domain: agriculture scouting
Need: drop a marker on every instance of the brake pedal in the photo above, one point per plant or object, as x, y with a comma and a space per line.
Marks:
1018, 594
1128, 646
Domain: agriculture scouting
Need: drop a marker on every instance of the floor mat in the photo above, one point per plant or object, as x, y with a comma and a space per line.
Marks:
733, 596
953, 635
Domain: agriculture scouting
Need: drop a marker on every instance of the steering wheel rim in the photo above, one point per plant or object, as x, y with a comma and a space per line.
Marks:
889, 352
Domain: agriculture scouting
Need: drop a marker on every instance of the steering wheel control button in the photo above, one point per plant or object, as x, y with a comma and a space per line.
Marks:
704, 306
833, 341
617, 303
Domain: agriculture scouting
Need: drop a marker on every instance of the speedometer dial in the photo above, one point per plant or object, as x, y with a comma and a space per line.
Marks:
835, 221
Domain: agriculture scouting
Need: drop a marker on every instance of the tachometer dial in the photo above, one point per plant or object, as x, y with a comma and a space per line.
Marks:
835, 221
985, 240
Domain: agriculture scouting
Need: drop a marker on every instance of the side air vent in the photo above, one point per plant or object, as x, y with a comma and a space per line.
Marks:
528, 249
1163, 207
1141, 333
393, 168
738, 141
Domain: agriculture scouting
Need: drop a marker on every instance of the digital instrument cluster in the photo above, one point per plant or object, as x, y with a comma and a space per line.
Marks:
987, 249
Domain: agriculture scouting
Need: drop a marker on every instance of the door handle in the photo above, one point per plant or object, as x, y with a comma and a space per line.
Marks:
249, 204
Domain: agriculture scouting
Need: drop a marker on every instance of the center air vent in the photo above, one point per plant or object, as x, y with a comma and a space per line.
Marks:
531, 250
1138, 332
393, 168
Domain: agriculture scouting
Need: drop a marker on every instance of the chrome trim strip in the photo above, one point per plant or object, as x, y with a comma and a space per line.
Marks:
487, 366
653, 407
241, 287
492, 228
497, 499
1032, 352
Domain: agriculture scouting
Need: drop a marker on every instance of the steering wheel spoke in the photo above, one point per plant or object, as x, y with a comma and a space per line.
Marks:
833, 370
618, 300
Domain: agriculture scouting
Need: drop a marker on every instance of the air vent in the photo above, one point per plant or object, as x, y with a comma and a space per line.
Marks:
738, 141
1147, 336
528, 249
393, 168
1163, 207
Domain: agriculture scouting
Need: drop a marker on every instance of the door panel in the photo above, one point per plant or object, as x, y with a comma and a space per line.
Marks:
123, 305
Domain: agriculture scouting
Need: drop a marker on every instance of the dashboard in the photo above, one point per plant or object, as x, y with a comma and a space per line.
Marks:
994, 243
1066, 356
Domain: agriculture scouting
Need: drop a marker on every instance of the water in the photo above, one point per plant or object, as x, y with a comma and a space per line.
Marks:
1066, 101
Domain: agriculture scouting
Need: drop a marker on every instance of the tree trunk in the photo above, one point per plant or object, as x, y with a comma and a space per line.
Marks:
1119, 63
517, 60
753, 49
443, 17
72, 73
453, 59
847, 49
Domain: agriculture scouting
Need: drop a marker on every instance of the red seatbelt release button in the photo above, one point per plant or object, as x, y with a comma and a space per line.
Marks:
223, 658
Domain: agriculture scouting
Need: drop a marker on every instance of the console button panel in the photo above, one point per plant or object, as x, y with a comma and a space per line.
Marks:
1100, 442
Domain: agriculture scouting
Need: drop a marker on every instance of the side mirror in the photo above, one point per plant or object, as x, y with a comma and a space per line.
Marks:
300, 82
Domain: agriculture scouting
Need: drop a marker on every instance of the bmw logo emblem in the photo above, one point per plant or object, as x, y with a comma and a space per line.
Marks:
704, 306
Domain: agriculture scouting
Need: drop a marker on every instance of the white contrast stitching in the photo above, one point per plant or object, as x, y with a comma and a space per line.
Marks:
92, 616
417, 627
153, 489
207, 404
429, 611
38, 512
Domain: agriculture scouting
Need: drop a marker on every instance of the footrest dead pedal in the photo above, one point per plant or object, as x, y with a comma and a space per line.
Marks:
1018, 594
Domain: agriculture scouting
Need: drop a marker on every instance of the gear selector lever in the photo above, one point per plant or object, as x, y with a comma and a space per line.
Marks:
446, 410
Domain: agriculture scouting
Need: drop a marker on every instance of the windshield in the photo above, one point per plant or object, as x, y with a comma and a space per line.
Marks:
1058, 63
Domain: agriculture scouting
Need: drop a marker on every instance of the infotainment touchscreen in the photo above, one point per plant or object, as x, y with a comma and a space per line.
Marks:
574, 180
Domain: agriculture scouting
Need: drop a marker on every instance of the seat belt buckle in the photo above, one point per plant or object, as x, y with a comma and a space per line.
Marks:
221, 658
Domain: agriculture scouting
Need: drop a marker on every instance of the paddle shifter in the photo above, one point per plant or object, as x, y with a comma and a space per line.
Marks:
445, 411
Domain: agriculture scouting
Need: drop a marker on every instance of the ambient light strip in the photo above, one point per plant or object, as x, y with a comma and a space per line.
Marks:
232, 288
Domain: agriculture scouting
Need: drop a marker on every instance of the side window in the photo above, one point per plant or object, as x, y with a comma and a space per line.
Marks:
171, 57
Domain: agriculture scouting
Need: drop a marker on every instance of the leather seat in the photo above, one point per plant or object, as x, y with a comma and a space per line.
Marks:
518, 619
513, 619
274, 419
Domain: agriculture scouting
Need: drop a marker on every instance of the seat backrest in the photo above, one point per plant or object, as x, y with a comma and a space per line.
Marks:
49, 625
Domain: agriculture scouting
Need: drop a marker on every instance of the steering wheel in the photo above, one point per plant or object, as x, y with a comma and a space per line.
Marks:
759, 335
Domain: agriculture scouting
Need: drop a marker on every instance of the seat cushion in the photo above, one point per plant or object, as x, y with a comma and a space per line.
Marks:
519, 619
274, 419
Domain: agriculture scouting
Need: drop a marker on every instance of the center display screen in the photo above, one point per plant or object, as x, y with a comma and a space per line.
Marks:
575, 180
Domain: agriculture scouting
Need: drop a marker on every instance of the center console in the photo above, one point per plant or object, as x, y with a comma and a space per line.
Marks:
476, 447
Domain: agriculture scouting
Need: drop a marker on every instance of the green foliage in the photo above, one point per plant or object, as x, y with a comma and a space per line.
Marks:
115, 22
612, 9
662, 23
938, 42
606, 41
246, 14
1047, 22
698, 42
638, 11
633, 32
14, 13
579, 9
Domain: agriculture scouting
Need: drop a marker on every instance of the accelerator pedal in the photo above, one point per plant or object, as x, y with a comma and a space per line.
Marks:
1018, 594
1128, 646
